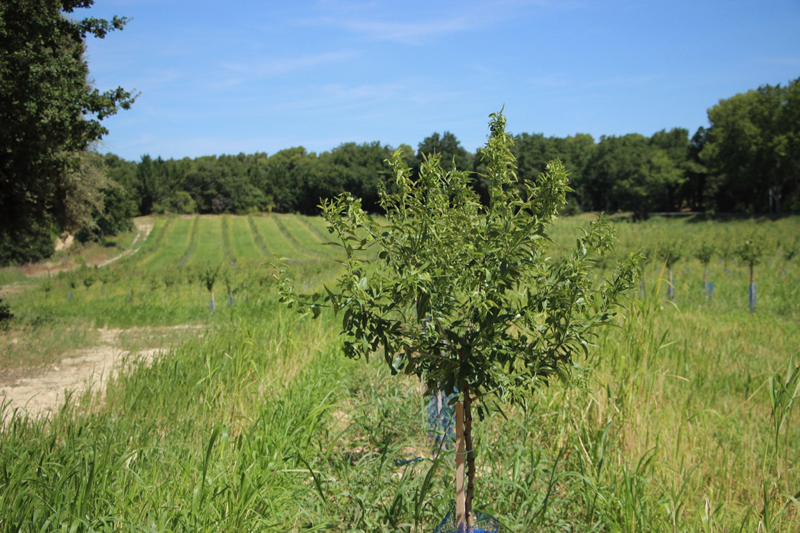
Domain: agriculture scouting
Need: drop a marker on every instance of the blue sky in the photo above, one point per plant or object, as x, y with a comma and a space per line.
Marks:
248, 76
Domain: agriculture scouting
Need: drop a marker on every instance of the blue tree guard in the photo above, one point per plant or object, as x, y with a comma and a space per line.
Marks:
708, 288
752, 297
441, 420
484, 523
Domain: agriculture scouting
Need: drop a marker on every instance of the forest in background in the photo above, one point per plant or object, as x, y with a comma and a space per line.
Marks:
747, 161
52, 183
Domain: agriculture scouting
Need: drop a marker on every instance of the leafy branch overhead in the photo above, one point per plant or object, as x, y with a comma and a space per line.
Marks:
464, 294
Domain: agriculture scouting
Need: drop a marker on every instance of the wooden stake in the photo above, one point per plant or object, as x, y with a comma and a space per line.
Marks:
461, 455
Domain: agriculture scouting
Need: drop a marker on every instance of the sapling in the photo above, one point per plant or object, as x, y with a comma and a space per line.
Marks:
726, 251
47, 286
72, 283
502, 318
209, 276
704, 253
229, 288
751, 251
670, 253
5, 314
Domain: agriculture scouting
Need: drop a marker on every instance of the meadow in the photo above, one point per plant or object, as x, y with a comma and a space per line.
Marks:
682, 418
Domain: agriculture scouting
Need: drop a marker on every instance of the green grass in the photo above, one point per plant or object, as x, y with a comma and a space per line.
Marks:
210, 249
258, 422
243, 243
173, 246
279, 240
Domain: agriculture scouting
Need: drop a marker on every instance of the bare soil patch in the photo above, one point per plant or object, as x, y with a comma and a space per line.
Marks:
44, 391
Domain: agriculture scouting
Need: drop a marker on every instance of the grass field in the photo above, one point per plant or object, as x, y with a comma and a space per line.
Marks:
678, 420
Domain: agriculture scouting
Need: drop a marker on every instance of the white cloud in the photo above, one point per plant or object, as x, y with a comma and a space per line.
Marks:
407, 24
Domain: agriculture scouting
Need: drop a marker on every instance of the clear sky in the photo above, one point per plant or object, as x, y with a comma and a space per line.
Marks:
260, 76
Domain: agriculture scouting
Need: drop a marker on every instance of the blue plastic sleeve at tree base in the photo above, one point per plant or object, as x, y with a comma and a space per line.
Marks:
484, 523
752, 297
710, 288
441, 419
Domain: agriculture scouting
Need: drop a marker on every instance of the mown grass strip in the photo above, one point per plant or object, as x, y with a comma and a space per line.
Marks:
209, 245
277, 241
152, 244
173, 245
307, 239
257, 237
242, 242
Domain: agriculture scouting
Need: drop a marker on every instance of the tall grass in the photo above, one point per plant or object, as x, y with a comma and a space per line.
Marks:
674, 423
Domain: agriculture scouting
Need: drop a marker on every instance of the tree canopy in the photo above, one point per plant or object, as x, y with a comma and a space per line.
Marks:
463, 294
752, 150
50, 115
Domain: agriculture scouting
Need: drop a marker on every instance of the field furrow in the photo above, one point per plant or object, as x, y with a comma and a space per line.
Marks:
277, 241
307, 239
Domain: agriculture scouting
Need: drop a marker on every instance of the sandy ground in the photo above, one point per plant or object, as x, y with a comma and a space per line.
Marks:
44, 392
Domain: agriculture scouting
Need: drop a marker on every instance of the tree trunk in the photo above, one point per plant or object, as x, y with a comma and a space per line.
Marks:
461, 497
470, 453
465, 463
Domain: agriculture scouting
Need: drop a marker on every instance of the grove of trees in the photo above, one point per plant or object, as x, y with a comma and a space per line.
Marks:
746, 161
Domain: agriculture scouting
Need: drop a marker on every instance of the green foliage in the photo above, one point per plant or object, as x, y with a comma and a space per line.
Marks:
449, 149
26, 245
783, 391
704, 252
463, 295
752, 150
670, 252
464, 292
208, 276
50, 115
5, 313
668, 426
751, 251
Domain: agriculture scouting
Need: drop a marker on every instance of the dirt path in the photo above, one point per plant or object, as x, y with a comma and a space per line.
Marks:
143, 225
144, 228
91, 367
38, 270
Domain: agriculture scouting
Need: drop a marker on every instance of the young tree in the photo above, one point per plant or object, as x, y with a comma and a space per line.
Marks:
704, 253
751, 251
670, 252
501, 317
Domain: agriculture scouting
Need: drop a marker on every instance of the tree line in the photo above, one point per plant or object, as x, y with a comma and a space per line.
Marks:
746, 161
